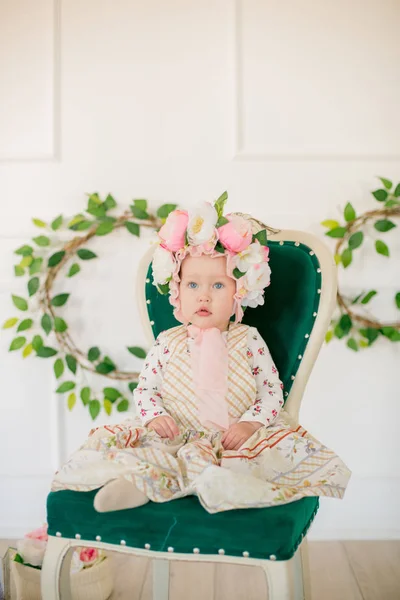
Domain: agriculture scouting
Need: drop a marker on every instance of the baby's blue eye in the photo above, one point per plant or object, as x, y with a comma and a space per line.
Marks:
218, 286
192, 285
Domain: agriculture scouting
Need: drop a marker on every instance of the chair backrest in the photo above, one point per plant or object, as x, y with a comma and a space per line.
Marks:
296, 314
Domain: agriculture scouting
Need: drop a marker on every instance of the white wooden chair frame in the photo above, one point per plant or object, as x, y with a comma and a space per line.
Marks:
286, 580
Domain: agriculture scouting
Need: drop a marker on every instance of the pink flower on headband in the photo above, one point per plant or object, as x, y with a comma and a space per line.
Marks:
172, 233
236, 235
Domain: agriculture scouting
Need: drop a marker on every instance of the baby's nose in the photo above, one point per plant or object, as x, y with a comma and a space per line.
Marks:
204, 298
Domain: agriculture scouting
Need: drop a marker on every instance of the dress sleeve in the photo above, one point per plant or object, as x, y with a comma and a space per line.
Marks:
147, 395
269, 397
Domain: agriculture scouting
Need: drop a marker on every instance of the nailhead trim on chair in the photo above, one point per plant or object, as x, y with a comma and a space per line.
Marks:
170, 549
196, 551
98, 538
123, 543
77, 536
58, 534
272, 557
246, 554
221, 551
147, 546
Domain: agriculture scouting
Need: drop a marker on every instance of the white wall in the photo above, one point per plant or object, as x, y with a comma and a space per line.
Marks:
291, 107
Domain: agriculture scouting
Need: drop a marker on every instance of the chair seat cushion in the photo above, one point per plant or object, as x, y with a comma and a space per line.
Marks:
184, 524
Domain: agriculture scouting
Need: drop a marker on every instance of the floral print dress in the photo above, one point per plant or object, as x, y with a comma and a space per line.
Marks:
281, 462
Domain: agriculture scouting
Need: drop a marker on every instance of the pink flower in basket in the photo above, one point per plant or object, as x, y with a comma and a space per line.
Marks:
38, 534
88, 556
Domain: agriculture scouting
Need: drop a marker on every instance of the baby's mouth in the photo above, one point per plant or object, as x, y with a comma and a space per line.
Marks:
203, 312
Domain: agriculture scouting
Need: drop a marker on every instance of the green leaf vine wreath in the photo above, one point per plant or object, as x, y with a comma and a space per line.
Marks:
41, 263
355, 323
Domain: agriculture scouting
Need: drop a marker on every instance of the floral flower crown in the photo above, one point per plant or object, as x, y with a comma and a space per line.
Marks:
204, 230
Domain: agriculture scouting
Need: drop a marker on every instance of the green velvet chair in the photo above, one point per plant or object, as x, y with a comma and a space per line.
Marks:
293, 321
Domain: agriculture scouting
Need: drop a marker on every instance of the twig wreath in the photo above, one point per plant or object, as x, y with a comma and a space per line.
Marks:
355, 323
42, 263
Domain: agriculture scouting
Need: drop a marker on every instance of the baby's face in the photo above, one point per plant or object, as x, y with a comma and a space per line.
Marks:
206, 292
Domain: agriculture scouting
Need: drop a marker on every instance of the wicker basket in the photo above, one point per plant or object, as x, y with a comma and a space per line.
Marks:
94, 583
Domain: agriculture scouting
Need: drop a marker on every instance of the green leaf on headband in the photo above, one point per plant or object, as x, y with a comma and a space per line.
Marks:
238, 274
220, 203
222, 221
219, 248
261, 236
163, 288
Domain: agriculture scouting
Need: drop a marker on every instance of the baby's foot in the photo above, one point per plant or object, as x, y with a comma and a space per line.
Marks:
119, 494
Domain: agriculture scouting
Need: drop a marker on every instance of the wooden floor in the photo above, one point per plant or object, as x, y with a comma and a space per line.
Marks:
339, 571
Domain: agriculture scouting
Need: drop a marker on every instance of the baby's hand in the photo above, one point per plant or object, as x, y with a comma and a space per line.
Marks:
238, 434
164, 426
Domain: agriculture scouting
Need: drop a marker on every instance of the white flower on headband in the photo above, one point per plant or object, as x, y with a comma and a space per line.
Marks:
258, 277
163, 266
253, 299
252, 255
201, 227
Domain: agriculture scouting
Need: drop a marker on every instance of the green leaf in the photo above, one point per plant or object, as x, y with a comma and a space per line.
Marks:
222, 221
352, 344
363, 344
39, 223
56, 224
395, 336
26, 261
105, 228
356, 240
85, 395
42, 241
238, 274
123, 406
165, 210
132, 228
328, 336
58, 368
381, 248
36, 266
18, 558
19, 271
386, 182
136, 351
109, 202
349, 212
71, 363
111, 394
60, 325
98, 212
330, 224
380, 195
56, 258
219, 248
33, 286
140, 204
104, 368
76, 219
46, 323
20, 303
85, 254
37, 342
391, 203
94, 353
139, 213
66, 386
261, 236
24, 250
368, 296
27, 350
107, 406
336, 232
94, 200
370, 333
17, 343
163, 288
384, 225
396, 192
82, 225
25, 324
132, 385
397, 299
94, 408
220, 204
347, 257
343, 327
10, 323
71, 401
46, 352
75, 268
59, 300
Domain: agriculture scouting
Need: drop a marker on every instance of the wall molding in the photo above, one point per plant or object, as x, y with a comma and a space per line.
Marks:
240, 153
55, 155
